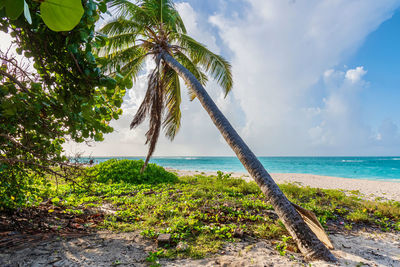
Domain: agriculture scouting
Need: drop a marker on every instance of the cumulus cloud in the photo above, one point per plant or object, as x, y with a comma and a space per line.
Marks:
340, 128
281, 51
191, 20
356, 74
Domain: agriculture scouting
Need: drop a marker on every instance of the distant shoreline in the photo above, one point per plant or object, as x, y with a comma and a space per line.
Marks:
143, 157
371, 168
369, 189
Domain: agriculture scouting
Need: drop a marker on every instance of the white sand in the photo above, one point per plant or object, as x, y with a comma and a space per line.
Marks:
362, 249
368, 188
105, 248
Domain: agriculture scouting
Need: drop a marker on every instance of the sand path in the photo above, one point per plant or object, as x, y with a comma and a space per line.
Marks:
130, 249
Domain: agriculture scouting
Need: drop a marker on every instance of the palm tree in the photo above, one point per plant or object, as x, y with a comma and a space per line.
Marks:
154, 28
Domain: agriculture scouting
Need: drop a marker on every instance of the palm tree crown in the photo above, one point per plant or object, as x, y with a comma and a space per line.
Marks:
149, 28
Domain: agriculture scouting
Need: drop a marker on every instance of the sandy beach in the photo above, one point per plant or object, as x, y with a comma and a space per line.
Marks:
367, 188
104, 248
367, 247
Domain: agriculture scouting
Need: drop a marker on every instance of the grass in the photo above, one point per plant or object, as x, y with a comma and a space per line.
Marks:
206, 212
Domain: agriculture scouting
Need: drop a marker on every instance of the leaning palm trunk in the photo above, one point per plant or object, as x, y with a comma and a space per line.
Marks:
305, 239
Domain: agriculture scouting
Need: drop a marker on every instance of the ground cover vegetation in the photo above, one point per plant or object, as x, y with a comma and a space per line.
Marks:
201, 213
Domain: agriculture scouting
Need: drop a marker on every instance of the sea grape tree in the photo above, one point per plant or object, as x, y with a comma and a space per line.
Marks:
53, 91
58, 15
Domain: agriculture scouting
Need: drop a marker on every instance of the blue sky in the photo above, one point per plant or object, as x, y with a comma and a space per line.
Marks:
380, 54
311, 78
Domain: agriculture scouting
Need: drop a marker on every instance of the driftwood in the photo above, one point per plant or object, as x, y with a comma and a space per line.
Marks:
312, 221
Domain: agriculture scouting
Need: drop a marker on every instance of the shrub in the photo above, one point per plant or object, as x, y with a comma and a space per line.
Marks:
19, 188
129, 171
359, 216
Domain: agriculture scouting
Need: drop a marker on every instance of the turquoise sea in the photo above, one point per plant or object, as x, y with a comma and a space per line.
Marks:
372, 168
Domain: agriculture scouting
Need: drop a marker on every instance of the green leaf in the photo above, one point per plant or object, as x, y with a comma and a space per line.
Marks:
61, 15
2, 3
103, 7
14, 8
27, 14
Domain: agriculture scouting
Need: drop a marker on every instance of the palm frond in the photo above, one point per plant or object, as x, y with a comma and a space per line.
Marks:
133, 67
188, 64
215, 65
172, 91
131, 11
119, 42
121, 25
157, 106
121, 34
146, 104
124, 58
164, 13
191, 66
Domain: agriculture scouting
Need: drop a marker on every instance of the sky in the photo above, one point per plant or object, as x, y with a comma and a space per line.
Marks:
311, 78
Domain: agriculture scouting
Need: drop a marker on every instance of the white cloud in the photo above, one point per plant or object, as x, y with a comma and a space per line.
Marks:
281, 49
191, 20
340, 128
356, 74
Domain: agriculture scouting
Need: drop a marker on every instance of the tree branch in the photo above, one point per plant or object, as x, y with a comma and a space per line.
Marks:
15, 80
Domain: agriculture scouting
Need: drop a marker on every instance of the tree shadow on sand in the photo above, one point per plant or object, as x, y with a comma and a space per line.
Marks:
100, 249
369, 249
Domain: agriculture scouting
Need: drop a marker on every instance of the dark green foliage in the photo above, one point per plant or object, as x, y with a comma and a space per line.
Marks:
129, 171
18, 191
59, 94
59, 15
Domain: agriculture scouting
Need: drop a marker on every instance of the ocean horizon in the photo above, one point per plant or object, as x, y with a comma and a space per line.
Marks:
371, 168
